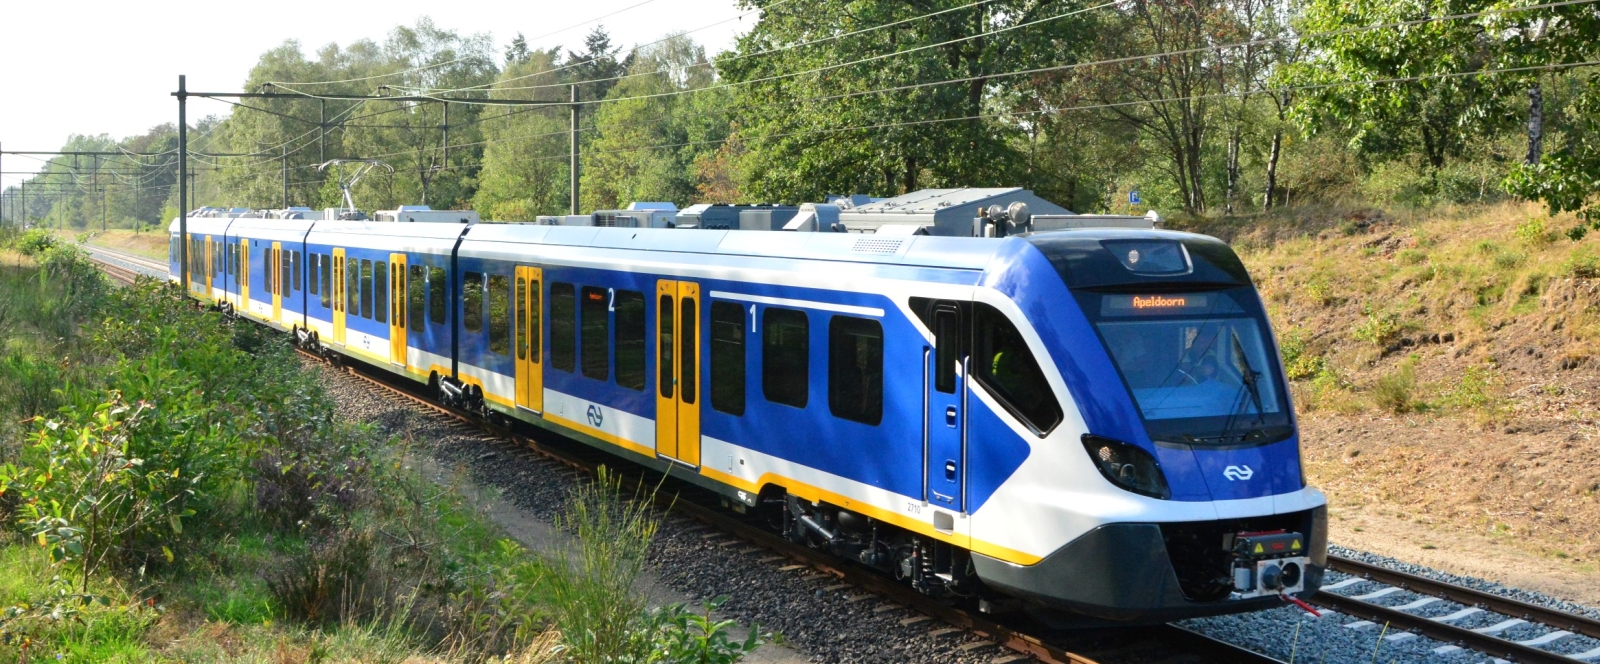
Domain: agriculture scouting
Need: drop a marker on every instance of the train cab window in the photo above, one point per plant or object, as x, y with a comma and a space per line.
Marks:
298, 268
472, 302
727, 357
785, 356
380, 294
417, 296
1003, 365
946, 347
366, 288
436, 295
596, 333
631, 346
563, 326
352, 290
855, 369
499, 314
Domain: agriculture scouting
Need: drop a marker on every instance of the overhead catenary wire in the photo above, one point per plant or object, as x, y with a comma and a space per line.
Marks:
1055, 68
497, 87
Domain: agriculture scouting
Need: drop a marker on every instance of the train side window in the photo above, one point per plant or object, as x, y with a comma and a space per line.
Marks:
630, 335
284, 267
785, 356
596, 333
380, 293
1003, 365
298, 268
688, 350
366, 288
417, 303
946, 348
436, 295
535, 311
499, 314
563, 326
315, 261
855, 369
727, 357
520, 300
327, 278
472, 302
352, 290
664, 320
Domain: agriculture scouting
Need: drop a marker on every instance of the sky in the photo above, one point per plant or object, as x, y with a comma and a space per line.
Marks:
94, 67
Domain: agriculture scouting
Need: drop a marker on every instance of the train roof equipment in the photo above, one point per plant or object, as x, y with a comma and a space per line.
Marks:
425, 214
940, 211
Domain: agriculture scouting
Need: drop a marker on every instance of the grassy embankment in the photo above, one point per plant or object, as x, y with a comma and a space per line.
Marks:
1444, 366
175, 487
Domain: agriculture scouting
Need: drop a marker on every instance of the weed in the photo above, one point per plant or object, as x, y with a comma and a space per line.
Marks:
601, 617
1474, 391
1412, 256
1486, 247
1534, 232
1379, 329
1506, 260
1577, 233
1298, 362
1394, 392
1582, 264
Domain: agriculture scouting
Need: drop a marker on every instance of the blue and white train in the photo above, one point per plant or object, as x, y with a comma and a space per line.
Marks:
1092, 420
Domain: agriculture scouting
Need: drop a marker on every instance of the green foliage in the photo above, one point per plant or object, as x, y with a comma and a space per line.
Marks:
1395, 392
686, 637
1534, 232
1298, 361
1582, 264
1379, 329
601, 616
1474, 391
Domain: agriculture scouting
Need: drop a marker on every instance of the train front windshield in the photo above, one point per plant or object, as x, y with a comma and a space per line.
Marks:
1198, 364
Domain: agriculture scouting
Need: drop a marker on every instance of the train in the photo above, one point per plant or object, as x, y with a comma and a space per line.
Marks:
1073, 414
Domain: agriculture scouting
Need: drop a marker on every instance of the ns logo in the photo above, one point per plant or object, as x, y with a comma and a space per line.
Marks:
1237, 473
596, 416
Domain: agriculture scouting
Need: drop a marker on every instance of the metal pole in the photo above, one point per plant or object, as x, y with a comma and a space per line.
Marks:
574, 130
446, 129
102, 193
183, 184
322, 130
285, 159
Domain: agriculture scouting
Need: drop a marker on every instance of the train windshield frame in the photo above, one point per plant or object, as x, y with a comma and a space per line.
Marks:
1200, 365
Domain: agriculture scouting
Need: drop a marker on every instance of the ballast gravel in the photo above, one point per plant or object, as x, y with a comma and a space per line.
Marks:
827, 623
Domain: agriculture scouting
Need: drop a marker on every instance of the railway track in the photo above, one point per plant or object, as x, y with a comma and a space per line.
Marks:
1504, 615
1164, 643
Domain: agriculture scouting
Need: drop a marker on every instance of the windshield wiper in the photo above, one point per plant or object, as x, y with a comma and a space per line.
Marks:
1241, 362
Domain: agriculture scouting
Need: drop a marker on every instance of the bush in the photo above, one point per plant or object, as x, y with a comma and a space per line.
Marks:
1298, 362
1393, 392
1378, 329
1582, 264
33, 242
1533, 231
602, 618
326, 582
1473, 392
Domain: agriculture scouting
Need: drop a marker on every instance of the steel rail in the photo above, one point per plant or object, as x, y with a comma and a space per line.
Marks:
887, 589
1577, 624
1439, 631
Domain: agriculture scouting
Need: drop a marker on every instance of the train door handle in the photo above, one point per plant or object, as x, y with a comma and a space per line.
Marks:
950, 416
950, 470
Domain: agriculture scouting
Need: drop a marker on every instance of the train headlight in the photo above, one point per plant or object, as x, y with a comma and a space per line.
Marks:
1127, 466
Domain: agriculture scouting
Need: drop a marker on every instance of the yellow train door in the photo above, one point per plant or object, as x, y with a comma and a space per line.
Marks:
210, 267
530, 364
397, 309
244, 275
340, 300
678, 370
275, 277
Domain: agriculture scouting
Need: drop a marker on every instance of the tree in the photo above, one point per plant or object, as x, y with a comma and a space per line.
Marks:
1435, 112
810, 121
517, 53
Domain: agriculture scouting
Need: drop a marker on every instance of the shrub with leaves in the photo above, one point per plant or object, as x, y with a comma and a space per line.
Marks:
1394, 392
1379, 329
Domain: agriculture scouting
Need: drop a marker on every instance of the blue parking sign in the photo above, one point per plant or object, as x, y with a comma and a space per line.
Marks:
1133, 197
